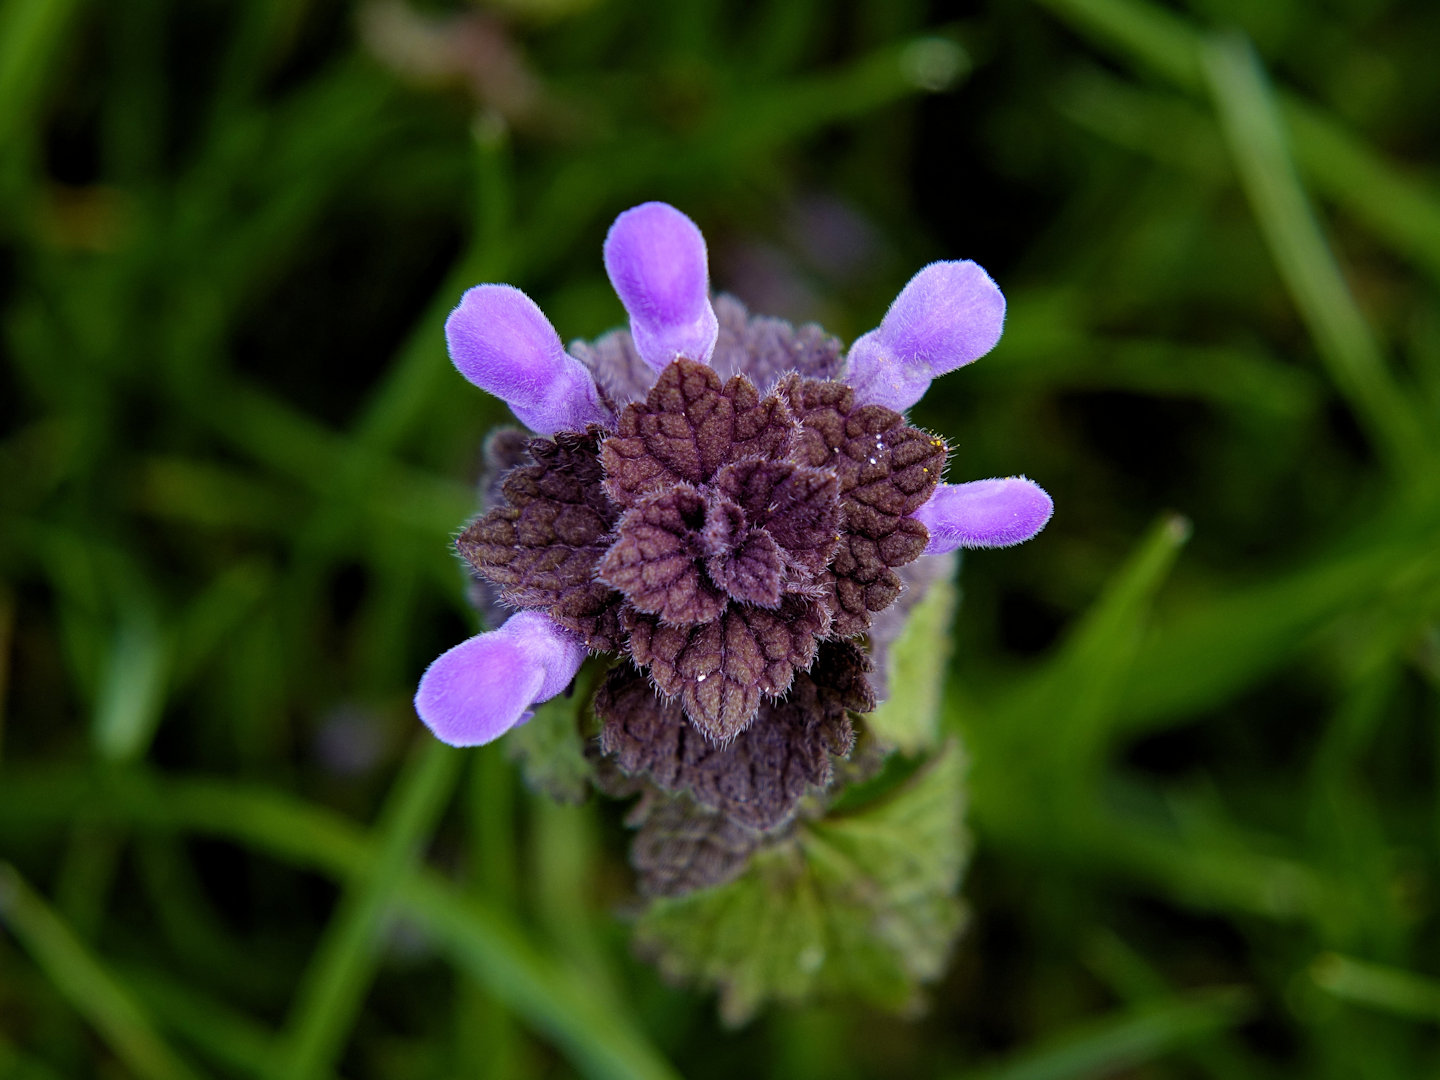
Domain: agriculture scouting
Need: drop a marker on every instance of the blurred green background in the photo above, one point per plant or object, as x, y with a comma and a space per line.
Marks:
1201, 708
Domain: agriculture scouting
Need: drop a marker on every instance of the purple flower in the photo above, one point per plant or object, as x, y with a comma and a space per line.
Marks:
501, 341
655, 257
480, 689
721, 502
949, 314
984, 513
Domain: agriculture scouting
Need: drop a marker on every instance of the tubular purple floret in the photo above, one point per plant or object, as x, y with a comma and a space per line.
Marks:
984, 514
486, 685
656, 260
502, 342
948, 315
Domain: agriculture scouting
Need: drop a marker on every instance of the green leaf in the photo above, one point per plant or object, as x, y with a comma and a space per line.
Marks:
1378, 986
335, 983
132, 693
33, 32
909, 719
549, 748
94, 991
589, 1025
1251, 122
859, 904
1126, 1039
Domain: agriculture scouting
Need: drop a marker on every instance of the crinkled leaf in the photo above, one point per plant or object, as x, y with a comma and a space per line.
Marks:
916, 663
750, 570
886, 470
798, 506
505, 449
688, 426
758, 778
681, 846
883, 463
655, 560
860, 905
541, 545
721, 670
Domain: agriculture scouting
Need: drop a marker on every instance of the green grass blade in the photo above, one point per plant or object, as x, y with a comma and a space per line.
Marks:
1074, 697
343, 967
1252, 127
1127, 1040
7, 635
421, 366
31, 31
1390, 989
1157, 38
1039, 752
1217, 647
1347, 171
601, 1041
556, 999
15, 1065
1398, 207
228, 1038
94, 992
132, 690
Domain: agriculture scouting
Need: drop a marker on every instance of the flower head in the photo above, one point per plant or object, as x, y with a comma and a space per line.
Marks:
721, 502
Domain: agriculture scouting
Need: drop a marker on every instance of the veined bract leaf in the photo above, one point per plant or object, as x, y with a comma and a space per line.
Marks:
549, 747
909, 719
861, 904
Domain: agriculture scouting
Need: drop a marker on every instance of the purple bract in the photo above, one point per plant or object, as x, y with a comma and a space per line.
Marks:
722, 502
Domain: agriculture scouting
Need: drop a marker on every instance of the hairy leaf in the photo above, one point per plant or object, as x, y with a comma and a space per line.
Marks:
655, 560
799, 507
542, 544
688, 426
720, 670
886, 471
681, 845
750, 568
764, 349
861, 905
760, 776
615, 364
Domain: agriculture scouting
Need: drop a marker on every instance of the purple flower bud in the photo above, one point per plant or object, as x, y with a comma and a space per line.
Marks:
984, 513
483, 687
501, 341
949, 314
655, 257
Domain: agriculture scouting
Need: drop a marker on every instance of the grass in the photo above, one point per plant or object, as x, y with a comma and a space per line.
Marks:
1199, 709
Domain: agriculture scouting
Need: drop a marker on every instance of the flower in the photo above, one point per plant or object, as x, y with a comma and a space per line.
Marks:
723, 503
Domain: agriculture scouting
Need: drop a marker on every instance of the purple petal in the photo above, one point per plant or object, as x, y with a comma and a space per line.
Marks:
501, 341
984, 513
655, 257
483, 687
948, 315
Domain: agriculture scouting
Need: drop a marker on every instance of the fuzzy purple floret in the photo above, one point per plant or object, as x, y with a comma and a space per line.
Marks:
984, 514
656, 260
480, 689
949, 314
501, 341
